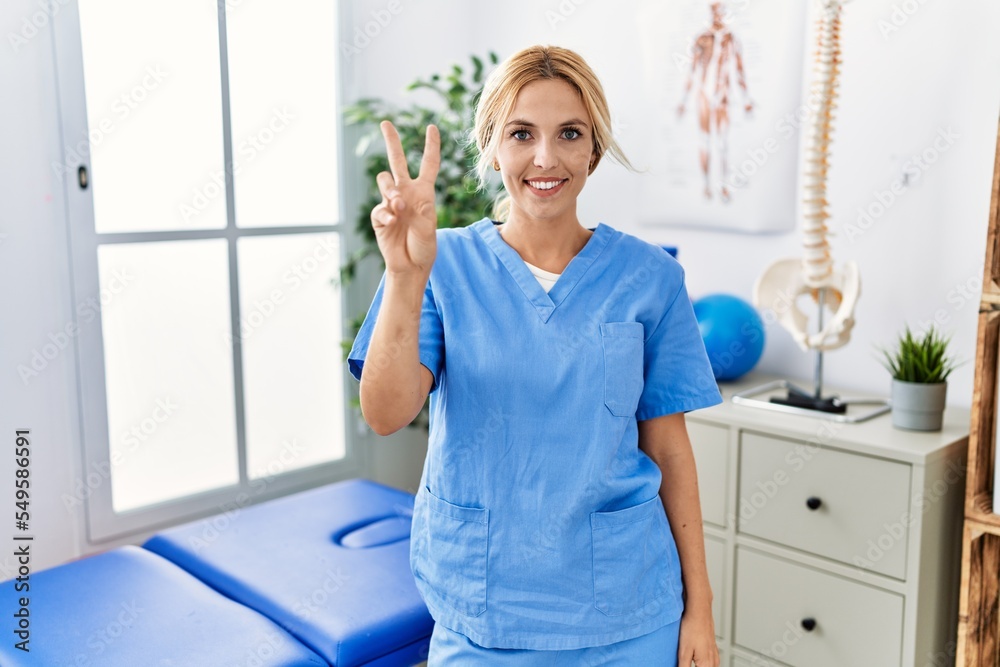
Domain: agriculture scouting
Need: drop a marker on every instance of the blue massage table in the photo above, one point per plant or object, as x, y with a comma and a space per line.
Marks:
131, 607
318, 578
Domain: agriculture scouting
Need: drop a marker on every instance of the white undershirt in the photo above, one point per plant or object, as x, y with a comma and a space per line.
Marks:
545, 278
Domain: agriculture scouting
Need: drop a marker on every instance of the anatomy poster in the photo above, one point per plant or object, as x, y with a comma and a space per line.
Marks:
723, 106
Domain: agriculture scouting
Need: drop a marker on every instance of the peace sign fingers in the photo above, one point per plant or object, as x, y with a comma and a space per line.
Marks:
431, 161
405, 222
429, 164
394, 151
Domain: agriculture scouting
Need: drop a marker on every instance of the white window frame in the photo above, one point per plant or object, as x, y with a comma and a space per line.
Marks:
103, 523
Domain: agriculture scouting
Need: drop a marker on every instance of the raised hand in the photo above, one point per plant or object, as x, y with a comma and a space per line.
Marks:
405, 222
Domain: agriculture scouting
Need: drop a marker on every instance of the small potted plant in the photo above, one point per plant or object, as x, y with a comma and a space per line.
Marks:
920, 366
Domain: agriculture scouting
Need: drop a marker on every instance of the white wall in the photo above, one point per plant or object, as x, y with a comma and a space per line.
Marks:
938, 70
35, 289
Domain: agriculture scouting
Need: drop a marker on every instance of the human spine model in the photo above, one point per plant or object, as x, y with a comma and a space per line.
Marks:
779, 287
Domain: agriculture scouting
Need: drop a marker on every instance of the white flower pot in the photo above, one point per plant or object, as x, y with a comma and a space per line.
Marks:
917, 406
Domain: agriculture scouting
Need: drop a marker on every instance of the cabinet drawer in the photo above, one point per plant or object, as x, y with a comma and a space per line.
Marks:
862, 504
711, 454
855, 624
715, 559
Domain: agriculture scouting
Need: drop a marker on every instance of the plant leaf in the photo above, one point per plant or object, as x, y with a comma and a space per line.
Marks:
919, 358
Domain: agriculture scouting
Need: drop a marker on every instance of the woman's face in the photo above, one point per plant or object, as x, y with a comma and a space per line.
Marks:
545, 150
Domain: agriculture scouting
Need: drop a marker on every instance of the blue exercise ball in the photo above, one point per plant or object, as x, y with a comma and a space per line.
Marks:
733, 333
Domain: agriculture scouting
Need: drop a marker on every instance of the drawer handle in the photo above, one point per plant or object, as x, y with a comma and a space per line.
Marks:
813, 503
809, 624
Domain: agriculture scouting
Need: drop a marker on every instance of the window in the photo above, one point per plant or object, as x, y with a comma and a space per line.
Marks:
205, 222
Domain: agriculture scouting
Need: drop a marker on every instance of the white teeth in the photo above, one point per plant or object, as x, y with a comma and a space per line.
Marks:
544, 185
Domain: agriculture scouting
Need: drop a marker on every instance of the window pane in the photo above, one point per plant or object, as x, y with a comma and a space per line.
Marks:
154, 110
290, 325
282, 91
168, 362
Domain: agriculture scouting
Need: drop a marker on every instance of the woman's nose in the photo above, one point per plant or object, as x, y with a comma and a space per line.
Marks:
545, 154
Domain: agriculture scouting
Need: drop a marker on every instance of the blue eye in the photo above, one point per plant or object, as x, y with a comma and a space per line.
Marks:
572, 133
520, 135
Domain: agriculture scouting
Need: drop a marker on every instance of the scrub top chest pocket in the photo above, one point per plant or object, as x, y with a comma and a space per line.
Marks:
623, 357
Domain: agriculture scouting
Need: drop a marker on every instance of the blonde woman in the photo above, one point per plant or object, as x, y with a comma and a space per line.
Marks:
557, 520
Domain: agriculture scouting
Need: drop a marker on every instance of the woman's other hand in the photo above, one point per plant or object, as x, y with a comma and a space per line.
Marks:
697, 639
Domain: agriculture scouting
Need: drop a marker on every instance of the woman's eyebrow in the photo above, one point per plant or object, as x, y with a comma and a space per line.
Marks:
525, 123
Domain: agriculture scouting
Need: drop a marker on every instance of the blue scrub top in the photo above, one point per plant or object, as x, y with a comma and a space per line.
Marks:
538, 523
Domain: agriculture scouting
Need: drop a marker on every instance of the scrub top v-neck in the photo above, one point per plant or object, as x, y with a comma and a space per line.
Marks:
538, 524
545, 278
545, 302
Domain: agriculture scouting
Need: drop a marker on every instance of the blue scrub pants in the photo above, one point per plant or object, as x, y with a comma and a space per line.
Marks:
656, 649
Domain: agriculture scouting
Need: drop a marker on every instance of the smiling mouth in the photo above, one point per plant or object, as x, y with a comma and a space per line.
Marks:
546, 188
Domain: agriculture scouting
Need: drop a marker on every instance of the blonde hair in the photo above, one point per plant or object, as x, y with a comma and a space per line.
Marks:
500, 93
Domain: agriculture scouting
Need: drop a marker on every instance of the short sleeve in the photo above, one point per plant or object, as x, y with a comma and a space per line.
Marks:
677, 374
431, 336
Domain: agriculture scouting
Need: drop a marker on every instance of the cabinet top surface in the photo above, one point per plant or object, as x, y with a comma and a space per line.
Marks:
877, 436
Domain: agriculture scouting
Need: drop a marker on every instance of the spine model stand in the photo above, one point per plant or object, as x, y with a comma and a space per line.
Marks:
814, 274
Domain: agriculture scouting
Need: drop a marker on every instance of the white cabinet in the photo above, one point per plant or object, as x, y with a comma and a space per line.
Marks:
828, 544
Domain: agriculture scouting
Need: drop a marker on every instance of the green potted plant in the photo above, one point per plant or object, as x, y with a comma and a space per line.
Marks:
460, 200
920, 366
